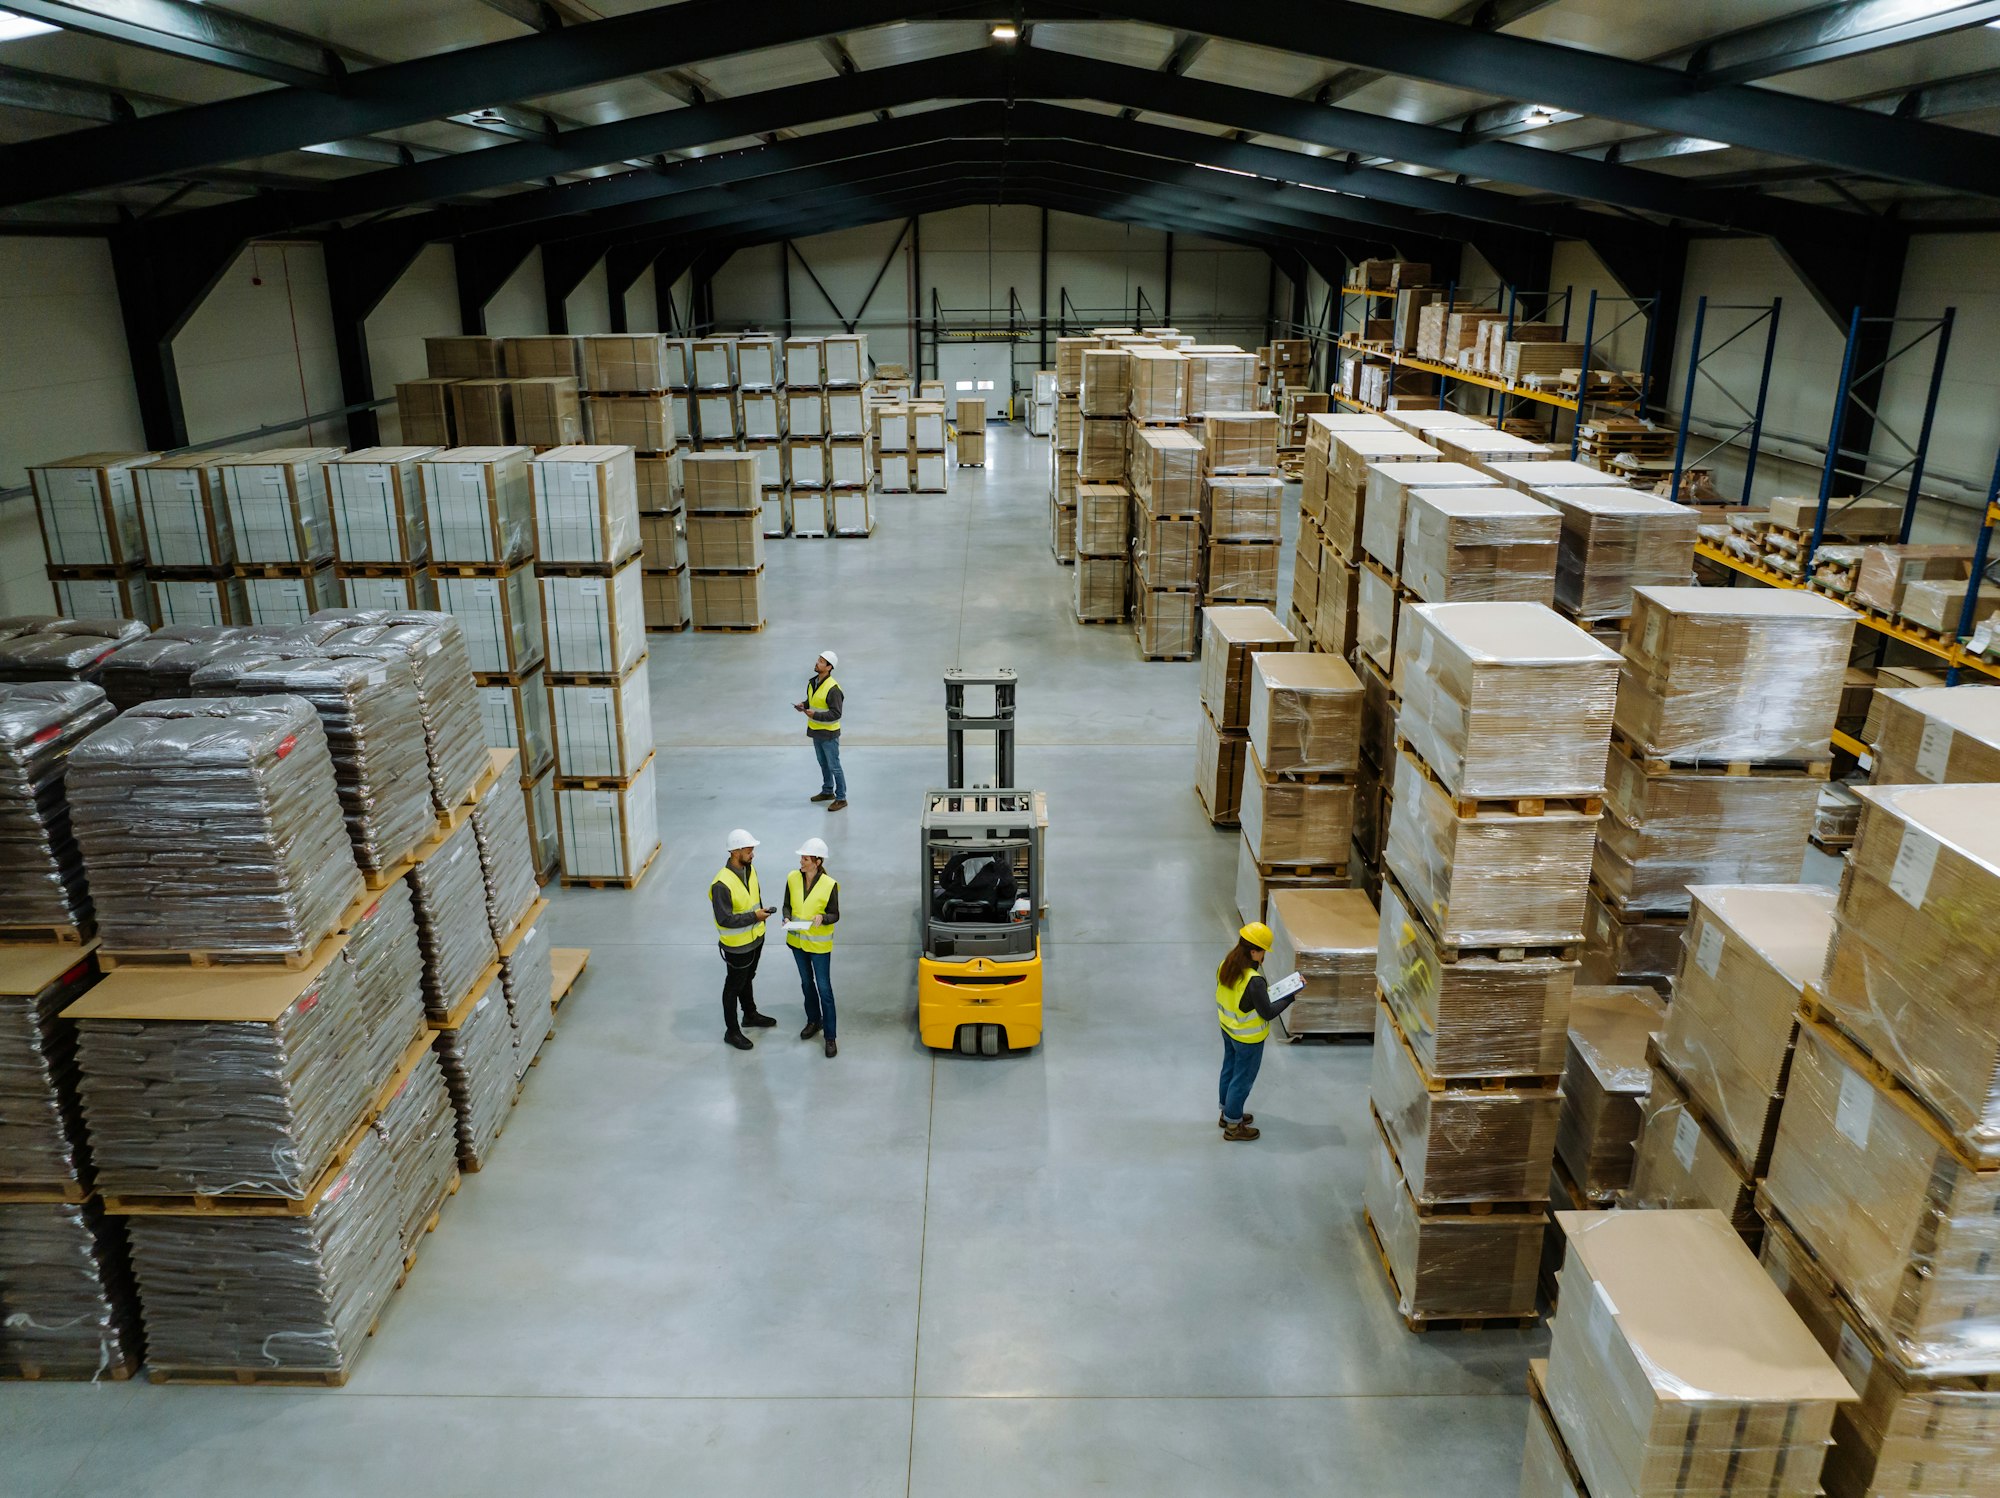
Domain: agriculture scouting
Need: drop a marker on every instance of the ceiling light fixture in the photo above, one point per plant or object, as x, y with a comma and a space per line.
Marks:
13, 27
1006, 31
1539, 115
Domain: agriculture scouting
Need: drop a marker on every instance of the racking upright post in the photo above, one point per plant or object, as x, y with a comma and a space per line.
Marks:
1981, 549
1752, 427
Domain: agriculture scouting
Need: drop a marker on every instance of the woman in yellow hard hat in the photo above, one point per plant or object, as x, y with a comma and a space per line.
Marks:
1244, 1008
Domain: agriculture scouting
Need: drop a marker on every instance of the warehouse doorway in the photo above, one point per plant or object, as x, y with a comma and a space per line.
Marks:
974, 369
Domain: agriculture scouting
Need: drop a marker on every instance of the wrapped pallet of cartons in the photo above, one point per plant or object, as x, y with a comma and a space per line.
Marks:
1484, 449
1101, 451
501, 618
1733, 673
641, 422
1242, 572
720, 482
1103, 524
759, 363
1158, 385
1220, 755
1605, 1081
1100, 587
1460, 1144
1385, 500
183, 511
1350, 455
278, 504
548, 412
627, 361
595, 625
1453, 1266
1296, 823
662, 546
1938, 606
1327, 937
1229, 637
462, 357
425, 413
482, 412
1106, 387
543, 356
586, 505
1378, 609
1165, 623
479, 505
845, 357
1335, 614
376, 495
1631, 946
1885, 572
1240, 442
195, 602
293, 597
1242, 507
805, 367
726, 600
1222, 382
1935, 735
515, 716
1168, 553
604, 730
1615, 540
1479, 545
1305, 714
1676, 1367
1682, 1163
1505, 699
610, 833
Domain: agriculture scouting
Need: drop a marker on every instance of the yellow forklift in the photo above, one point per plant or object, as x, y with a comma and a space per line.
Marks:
979, 976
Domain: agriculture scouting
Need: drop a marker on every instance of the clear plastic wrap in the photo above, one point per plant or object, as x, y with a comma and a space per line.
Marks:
1457, 1265
1546, 1465
506, 858
1460, 1144
185, 515
89, 511
1242, 506
604, 730
1492, 880
41, 1129
479, 504
1907, 1433
278, 504
1100, 454
1296, 822
1166, 623
1885, 571
67, 1307
1221, 382
1100, 587
374, 732
376, 496
1667, 830
478, 1058
1062, 530
49, 647
1327, 937
1677, 1370
1936, 735
1166, 465
213, 824
1105, 388
1478, 1016
1733, 673
501, 618
1334, 610
1168, 553
1615, 540
450, 893
1378, 608
1936, 606
1605, 1082
596, 626
610, 834
1914, 971
1241, 572
527, 977
1159, 384
1305, 713
586, 504
1103, 520
1505, 699
1472, 545
1385, 491
41, 868
1907, 1230
434, 647
1240, 440
420, 1130
1680, 1162
1229, 636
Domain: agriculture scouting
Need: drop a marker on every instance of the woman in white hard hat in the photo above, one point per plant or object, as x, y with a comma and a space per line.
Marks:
812, 909
822, 707
740, 912
1244, 1008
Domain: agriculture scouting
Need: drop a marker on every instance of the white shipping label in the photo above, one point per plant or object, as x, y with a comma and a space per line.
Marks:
1708, 951
1853, 1358
1687, 1134
1856, 1109
1934, 751
590, 587
1915, 859
1653, 618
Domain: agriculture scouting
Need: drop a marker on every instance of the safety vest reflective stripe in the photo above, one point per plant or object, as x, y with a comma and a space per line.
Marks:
743, 898
1248, 1028
816, 700
810, 905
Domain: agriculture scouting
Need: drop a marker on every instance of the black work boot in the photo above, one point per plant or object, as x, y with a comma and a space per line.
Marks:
758, 1021
831, 1048
811, 1029
738, 1039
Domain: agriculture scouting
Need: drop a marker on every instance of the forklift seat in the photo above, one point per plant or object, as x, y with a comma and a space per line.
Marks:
974, 887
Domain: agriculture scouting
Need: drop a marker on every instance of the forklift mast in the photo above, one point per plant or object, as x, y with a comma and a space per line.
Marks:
958, 722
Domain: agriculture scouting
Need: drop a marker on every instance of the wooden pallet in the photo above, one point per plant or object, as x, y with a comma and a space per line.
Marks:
611, 881
460, 1007
569, 963
1832, 847
292, 961
62, 936
727, 629
1228, 819
1523, 1082
277, 1378
477, 569
1300, 870
1420, 1323
1510, 806
430, 1226
545, 568
1186, 655
1101, 619
33, 1373
52, 1193
1777, 769
1330, 1037
379, 569
667, 629
280, 569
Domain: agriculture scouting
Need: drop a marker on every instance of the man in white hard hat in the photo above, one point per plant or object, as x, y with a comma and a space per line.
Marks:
822, 706
812, 909
740, 913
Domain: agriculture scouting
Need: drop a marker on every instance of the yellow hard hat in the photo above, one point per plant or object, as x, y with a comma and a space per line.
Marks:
1258, 935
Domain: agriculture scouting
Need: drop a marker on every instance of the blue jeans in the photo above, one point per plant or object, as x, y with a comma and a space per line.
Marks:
1240, 1061
831, 777
816, 979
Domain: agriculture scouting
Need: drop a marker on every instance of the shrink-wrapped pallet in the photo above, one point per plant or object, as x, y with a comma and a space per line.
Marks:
1460, 1144
449, 891
1229, 637
500, 617
1935, 735
213, 824
1605, 1081
1219, 756
278, 507
1378, 609
527, 980
1385, 502
41, 1131
1455, 1265
183, 510
1106, 385
1336, 612
1295, 821
376, 495
43, 647
89, 510
1221, 382
433, 645
610, 834
67, 1308
1100, 457
1505, 699
1675, 1366
1168, 553
1242, 506
586, 505
477, 1053
1305, 713
1478, 545
1622, 946
627, 361
479, 504
1166, 623
603, 729
1101, 584
1680, 1162
41, 868
1158, 384
1242, 572
1885, 572
374, 733
1103, 520
1482, 449
1733, 673
1328, 937
1615, 540
1240, 442
515, 716
462, 357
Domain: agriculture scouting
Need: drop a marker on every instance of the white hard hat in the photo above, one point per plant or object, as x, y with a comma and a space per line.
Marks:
741, 839
829, 657
813, 848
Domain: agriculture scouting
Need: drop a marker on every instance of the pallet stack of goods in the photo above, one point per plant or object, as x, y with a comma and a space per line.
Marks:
1241, 503
1726, 705
969, 432
381, 532
593, 610
632, 402
1327, 937
1229, 637
1225, 379
189, 548
93, 532
930, 459
1304, 751
1467, 541
663, 542
1721, 1062
1500, 746
804, 454
1065, 445
1606, 1079
725, 541
850, 462
1329, 614
1167, 551
1615, 539
1676, 1366
480, 511
281, 517
1934, 736
1103, 552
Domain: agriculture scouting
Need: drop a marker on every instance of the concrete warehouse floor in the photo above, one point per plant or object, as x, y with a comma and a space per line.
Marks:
689, 1270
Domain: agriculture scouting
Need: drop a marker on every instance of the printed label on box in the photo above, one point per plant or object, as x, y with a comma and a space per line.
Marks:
1687, 1134
1856, 1109
1708, 951
1853, 1358
1915, 859
1934, 751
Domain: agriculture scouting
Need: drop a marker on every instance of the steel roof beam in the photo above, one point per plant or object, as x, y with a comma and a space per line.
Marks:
197, 33
1827, 34
1481, 15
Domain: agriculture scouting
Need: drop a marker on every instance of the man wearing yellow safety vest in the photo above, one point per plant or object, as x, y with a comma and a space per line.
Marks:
822, 706
740, 913
1245, 1010
812, 910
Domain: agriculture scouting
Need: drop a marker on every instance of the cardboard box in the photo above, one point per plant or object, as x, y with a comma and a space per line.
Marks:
1350, 455
1220, 382
1631, 947
1168, 553
846, 414
1605, 1081
603, 730
1105, 388
1473, 1016
734, 599
1257, 882
1478, 545
1229, 637
123, 596
479, 504
717, 420
292, 600
850, 512
1158, 384
1675, 1366
198, 600
549, 413
1101, 450
1242, 572
515, 715
845, 358
609, 834
1327, 937
1484, 449
1615, 540
1681, 1163
1385, 497
482, 412
539, 357
805, 363
1304, 713
1101, 584
759, 363
425, 413
1885, 571
376, 496
1939, 605
1505, 699
1932, 735
1240, 441
1296, 823
1102, 520
586, 505
1219, 757
1377, 612
278, 507
721, 482
1335, 618
468, 357
501, 618
668, 606
662, 546
595, 625
1242, 507
1166, 623
805, 413
182, 511
1733, 673
725, 543
932, 473
89, 510
1870, 519
1451, 1266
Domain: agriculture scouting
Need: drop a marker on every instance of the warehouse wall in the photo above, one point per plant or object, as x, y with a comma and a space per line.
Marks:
259, 350
519, 309
642, 307
588, 308
423, 304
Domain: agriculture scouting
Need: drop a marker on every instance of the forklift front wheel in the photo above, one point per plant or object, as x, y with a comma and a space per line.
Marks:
981, 1040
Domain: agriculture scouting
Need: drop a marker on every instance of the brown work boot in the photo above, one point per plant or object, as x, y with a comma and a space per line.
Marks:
1240, 1132
824, 796
840, 805
1223, 1123
831, 1048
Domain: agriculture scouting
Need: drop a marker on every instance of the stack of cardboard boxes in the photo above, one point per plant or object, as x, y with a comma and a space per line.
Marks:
1167, 551
1240, 500
1222, 737
725, 539
282, 523
381, 537
663, 541
1297, 804
1327, 937
969, 431
1103, 557
91, 511
1501, 738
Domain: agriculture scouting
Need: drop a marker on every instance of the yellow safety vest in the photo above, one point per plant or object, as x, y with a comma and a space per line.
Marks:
742, 898
816, 700
1249, 1028
810, 905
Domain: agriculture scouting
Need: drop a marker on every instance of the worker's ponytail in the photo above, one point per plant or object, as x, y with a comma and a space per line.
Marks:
1236, 964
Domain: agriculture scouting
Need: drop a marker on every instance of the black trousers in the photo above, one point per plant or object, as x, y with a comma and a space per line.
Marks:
739, 976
